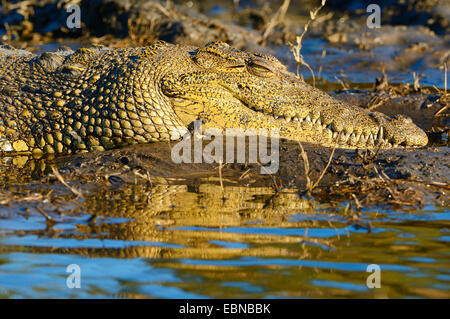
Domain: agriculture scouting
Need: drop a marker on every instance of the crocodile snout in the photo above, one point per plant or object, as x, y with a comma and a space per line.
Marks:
403, 132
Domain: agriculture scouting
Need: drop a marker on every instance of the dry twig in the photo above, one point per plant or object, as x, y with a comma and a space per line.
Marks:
309, 185
296, 49
61, 179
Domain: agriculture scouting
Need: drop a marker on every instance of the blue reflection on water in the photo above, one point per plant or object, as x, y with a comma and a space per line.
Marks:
339, 285
252, 261
244, 286
28, 274
35, 241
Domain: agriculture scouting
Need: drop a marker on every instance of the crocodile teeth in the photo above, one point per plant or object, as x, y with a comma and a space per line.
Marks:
335, 134
342, 138
276, 117
287, 118
365, 138
347, 136
370, 140
353, 140
308, 118
380, 133
300, 120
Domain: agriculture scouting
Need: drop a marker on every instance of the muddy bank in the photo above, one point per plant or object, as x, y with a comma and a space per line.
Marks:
434, 14
200, 20
114, 22
359, 172
403, 177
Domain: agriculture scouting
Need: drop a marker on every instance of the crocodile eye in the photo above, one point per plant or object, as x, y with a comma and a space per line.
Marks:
259, 69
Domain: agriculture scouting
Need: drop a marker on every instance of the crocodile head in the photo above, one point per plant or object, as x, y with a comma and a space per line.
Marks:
228, 88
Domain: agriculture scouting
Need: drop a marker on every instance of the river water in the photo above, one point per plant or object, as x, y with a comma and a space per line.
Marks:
202, 241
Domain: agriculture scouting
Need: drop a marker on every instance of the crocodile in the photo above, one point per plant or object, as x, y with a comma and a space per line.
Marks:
101, 98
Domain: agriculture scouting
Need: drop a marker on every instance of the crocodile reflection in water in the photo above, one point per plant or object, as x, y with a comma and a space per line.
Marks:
180, 217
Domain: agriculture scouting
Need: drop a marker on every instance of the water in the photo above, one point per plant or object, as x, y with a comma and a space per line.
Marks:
332, 62
199, 241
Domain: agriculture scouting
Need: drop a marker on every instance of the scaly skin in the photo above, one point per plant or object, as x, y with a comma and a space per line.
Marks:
97, 98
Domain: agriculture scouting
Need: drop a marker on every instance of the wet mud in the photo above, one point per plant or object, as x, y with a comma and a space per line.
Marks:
387, 177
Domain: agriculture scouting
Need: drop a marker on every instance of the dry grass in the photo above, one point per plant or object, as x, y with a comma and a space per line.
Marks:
276, 19
369, 156
296, 49
309, 184
146, 176
445, 79
48, 219
383, 189
277, 186
220, 176
416, 82
377, 101
61, 179
443, 98
8, 198
343, 83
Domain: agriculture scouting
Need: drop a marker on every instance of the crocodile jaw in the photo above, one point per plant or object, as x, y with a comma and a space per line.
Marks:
393, 132
328, 122
347, 126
